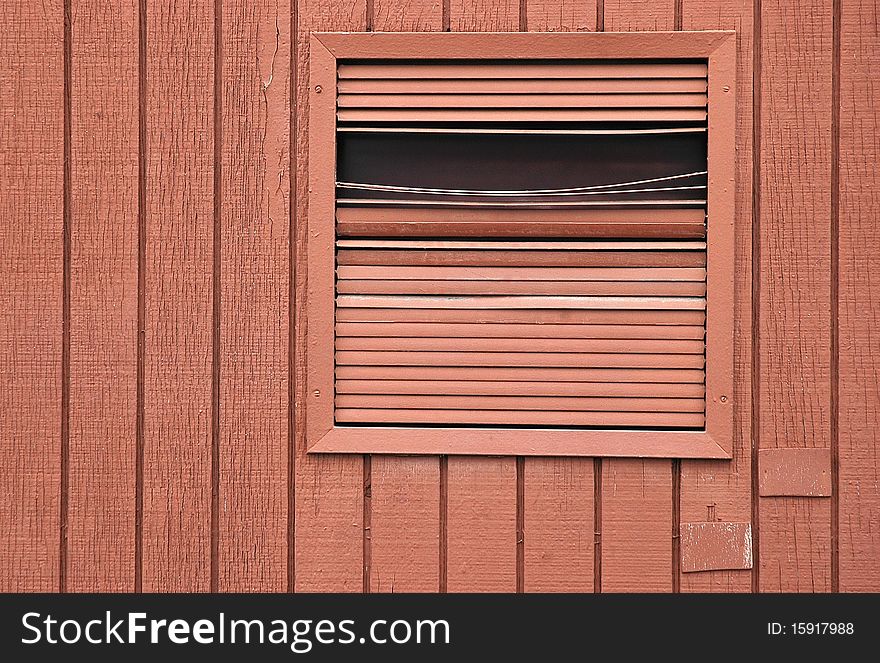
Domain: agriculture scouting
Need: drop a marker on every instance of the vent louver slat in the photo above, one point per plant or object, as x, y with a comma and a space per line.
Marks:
508, 221
523, 85
495, 71
514, 374
523, 418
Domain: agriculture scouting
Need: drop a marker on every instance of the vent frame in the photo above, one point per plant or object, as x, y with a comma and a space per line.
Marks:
325, 436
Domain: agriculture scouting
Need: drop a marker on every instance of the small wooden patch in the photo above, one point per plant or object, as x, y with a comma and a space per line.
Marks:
795, 472
715, 546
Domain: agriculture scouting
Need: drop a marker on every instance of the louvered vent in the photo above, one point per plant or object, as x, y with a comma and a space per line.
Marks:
521, 244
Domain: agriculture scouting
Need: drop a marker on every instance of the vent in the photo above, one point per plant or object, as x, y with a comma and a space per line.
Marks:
521, 244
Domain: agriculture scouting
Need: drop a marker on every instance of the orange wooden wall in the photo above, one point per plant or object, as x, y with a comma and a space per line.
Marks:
152, 195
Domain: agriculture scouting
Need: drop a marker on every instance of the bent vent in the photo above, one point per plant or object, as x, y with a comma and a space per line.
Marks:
521, 244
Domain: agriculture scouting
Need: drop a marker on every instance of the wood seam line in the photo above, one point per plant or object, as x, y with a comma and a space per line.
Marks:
445, 14
600, 15
367, 522
677, 15
676, 525
215, 306
523, 16
756, 290
370, 15
291, 302
64, 504
597, 525
835, 296
141, 298
520, 524
444, 531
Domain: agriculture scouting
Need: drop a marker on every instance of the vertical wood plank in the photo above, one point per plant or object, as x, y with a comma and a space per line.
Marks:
329, 489
859, 507
254, 289
481, 517
31, 194
405, 534
795, 535
636, 527
179, 297
405, 504
103, 296
481, 522
483, 15
561, 15
558, 528
407, 15
639, 15
559, 534
721, 490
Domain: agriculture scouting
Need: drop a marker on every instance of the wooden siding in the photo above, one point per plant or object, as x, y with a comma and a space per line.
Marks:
153, 186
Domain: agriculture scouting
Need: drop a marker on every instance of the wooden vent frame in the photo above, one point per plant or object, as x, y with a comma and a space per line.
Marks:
324, 434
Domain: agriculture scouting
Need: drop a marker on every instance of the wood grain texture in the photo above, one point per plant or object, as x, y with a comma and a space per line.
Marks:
859, 542
405, 528
795, 533
328, 488
31, 182
254, 290
405, 504
407, 15
257, 155
484, 15
561, 15
636, 525
721, 490
716, 546
797, 471
179, 297
103, 296
639, 15
481, 523
559, 531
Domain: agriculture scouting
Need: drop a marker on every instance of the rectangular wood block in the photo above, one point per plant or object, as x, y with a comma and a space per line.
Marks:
795, 472
715, 546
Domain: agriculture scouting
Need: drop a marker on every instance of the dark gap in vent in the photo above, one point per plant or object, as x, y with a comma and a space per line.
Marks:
522, 162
